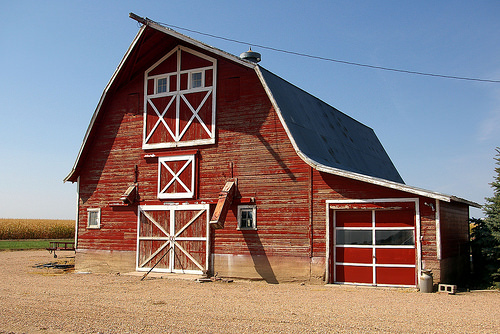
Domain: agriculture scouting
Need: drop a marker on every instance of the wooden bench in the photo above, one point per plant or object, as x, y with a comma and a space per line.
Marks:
61, 246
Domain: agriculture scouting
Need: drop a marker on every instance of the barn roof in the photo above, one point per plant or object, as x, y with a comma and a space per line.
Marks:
328, 136
325, 138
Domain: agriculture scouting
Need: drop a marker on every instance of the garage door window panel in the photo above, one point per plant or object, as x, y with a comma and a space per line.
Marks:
394, 237
354, 237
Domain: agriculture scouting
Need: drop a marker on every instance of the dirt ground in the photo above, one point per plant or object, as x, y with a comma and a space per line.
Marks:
42, 300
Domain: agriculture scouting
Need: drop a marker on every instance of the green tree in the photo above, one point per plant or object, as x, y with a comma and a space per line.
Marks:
482, 252
485, 237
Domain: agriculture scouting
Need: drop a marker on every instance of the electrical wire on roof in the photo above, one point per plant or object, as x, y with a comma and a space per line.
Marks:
331, 59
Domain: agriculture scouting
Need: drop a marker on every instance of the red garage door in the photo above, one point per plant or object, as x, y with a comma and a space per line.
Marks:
375, 246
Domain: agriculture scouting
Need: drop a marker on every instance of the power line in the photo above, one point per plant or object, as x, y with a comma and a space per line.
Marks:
331, 59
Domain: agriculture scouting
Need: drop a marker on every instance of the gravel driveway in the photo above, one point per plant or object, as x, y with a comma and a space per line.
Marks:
41, 300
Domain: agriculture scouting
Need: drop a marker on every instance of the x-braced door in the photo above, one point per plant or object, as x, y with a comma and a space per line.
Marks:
173, 238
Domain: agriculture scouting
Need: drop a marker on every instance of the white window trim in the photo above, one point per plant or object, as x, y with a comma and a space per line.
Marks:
156, 85
209, 125
190, 79
189, 193
254, 215
95, 227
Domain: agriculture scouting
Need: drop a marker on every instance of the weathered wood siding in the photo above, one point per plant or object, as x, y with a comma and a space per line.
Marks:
108, 169
455, 263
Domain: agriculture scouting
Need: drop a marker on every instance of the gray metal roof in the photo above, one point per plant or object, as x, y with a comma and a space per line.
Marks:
328, 136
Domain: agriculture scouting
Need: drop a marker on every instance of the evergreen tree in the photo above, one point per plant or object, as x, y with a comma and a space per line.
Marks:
491, 250
482, 253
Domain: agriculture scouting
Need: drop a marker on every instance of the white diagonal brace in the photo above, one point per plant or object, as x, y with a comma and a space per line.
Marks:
195, 114
156, 253
161, 118
189, 256
190, 222
148, 216
175, 176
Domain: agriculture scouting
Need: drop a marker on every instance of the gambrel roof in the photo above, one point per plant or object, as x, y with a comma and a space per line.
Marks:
325, 138
328, 136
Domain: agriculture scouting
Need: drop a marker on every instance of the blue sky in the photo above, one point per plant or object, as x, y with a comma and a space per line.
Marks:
57, 57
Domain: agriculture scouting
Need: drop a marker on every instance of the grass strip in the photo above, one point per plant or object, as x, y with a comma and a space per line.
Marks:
28, 244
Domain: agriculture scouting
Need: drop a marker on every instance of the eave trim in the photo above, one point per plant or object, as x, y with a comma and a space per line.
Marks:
101, 101
199, 44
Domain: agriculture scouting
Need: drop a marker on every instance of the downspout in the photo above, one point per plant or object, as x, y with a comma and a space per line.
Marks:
438, 231
310, 231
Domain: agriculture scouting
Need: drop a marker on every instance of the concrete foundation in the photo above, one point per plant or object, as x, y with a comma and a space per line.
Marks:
272, 269
99, 261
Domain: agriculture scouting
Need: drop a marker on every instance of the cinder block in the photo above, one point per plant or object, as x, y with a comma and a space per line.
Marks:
449, 288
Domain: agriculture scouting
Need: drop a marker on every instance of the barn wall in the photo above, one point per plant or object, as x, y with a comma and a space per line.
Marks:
455, 265
107, 171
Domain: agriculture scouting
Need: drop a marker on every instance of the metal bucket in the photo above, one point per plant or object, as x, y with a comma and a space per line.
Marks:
426, 284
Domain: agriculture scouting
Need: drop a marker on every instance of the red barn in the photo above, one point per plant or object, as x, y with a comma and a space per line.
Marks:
198, 161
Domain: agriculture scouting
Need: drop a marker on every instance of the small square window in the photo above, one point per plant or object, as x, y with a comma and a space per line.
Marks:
196, 80
161, 85
94, 218
247, 219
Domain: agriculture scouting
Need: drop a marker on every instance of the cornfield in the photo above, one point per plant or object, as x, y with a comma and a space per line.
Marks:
36, 229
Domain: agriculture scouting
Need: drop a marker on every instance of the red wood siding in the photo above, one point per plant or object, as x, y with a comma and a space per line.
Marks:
428, 236
108, 169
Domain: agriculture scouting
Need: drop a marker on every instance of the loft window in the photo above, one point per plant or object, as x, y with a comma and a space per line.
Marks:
161, 85
247, 217
94, 218
176, 176
196, 79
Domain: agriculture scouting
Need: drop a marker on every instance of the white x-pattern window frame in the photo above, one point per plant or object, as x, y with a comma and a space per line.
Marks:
175, 176
177, 96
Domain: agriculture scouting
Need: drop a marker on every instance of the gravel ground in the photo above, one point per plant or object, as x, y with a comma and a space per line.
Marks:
41, 300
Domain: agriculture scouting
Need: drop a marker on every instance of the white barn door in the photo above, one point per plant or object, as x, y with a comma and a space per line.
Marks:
173, 238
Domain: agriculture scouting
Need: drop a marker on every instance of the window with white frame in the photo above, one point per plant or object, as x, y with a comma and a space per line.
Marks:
161, 85
94, 218
196, 79
247, 217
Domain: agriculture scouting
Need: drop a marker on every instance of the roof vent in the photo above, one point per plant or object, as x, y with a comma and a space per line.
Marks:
254, 57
